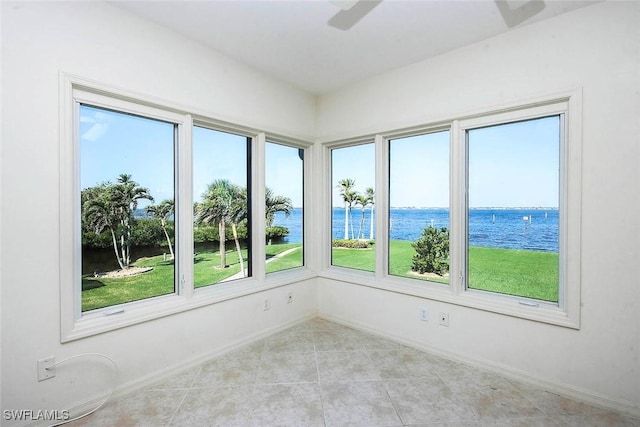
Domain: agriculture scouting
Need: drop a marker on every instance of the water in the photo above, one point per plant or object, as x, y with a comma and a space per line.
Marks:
493, 228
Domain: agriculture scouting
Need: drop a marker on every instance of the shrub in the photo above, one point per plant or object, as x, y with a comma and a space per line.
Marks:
207, 233
352, 243
432, 251
277, 232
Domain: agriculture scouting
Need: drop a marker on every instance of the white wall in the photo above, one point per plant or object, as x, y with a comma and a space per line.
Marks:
101, 42
597, 48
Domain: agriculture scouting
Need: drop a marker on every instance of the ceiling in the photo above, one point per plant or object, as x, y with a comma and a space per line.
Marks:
292, 41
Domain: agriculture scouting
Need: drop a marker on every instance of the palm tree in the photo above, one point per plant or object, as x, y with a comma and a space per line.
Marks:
371, 199
126, 194
111, 206
237, 214
348, 195
216, 208
275, 204
99, 213
163, 212
362, 201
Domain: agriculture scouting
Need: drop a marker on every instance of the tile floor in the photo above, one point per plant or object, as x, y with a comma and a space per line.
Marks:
319, 373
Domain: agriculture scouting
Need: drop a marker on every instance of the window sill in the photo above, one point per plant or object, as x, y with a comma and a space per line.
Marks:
99, 321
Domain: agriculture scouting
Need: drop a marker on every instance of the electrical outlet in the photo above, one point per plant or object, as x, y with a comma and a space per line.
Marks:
266, 306
46, 369
289, 297
424, 314
444, 319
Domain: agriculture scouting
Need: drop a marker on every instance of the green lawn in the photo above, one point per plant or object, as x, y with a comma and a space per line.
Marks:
523, 273
530, 274
290, 260
103, 292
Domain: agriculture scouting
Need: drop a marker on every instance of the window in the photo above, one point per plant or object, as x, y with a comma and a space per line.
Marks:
127, 182
284, 202
515, 242
513, 199
480, 211
158, 212
419, 207
221, 194
353, 212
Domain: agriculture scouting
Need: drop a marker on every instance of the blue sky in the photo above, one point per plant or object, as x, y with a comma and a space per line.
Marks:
114, 143
514, 165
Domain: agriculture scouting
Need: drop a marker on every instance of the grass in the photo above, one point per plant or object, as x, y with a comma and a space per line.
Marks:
522, 273
285, 262
99, 292
529, 274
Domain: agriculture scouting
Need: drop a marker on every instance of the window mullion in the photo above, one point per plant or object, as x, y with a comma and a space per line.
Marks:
382, 206
458, 207
258, 208
184, 213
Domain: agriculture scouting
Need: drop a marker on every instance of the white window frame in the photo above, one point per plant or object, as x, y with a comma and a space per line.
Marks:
327, 184
75, 324
305, 178
566, 312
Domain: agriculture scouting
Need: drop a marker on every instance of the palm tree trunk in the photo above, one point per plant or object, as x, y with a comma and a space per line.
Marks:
346, 221
222, 238
115, 248
361, 225
168, 241
123, 252
235, 237
351, 222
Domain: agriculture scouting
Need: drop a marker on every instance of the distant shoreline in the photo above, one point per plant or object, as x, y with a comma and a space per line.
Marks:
486, 208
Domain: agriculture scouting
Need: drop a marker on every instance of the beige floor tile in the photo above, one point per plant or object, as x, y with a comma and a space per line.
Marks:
183, 380
294, 405
357, 403
429, 400
402, 363
446, 368
232, 369
287, 368
493, 397
327, 340
345, 366
521, 422
289, 341
319, 373
141, 409
608, 419
215, 406
554, 404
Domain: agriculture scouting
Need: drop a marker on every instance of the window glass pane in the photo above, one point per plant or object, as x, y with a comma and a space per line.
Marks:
127, 218
353, 213
513, 190
284, 206
221, 230
419, 207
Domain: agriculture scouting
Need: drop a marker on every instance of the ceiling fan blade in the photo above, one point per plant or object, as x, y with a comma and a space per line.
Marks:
346, 19
513, 17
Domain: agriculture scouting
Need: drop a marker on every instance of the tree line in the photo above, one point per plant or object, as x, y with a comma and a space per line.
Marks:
110, 208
